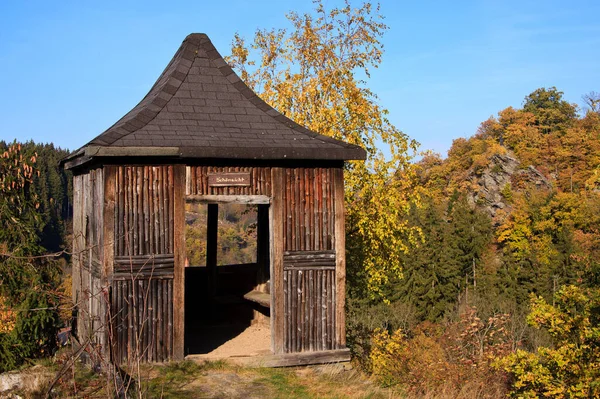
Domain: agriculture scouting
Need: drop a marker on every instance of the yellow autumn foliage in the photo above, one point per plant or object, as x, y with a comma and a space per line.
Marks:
571, 368
8, 318
316, 74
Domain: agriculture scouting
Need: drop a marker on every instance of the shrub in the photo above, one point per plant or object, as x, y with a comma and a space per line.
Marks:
418, 362
452, 360
571, 369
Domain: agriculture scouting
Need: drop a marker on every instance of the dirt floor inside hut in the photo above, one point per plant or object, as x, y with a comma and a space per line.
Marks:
254, 340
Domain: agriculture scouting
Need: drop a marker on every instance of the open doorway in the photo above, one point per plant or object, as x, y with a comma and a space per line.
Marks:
227, 299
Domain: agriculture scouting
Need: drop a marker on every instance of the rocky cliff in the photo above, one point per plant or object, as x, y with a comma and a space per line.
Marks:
503, 175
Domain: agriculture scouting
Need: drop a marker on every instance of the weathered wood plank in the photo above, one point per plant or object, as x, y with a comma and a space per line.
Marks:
326, 209
302, 254
140, 209
127, 232
296, 204
168, 324
151, 210
165, 269
308, 266
162, 214
302, 311
154, 325
310, 260
225, 199
160, 317
140, 258
77, 244
178, 291
321, 314
108, 233
287, 311
118, 210
307, 259
146, 210
340, 251
277, 304
320, 213
286, 194
127, 345
311, 308
157, 274
188, 180
294, 312
301, 210
262, 298
171, 198
283, 360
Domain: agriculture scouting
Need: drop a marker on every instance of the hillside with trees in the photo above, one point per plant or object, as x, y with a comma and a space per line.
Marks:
509, 261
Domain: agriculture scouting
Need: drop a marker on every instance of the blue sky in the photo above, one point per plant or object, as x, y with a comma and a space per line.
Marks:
70, 69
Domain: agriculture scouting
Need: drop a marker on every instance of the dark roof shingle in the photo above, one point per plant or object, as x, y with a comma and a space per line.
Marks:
201, 106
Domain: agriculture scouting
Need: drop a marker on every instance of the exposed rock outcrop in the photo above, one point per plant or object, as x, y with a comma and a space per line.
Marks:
503, 175
26, 382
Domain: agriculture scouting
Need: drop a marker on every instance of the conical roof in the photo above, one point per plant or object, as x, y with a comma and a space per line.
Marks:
199, 108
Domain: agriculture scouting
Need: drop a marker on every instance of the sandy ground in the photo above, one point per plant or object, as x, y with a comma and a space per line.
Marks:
254, 340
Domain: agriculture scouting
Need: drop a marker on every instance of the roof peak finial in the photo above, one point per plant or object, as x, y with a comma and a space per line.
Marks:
196, 37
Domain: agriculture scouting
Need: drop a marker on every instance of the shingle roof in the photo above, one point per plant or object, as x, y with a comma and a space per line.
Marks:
199, 108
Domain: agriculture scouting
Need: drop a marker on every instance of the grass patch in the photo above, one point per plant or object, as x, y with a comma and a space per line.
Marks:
285, 383
169, 381
219, 379
320, 382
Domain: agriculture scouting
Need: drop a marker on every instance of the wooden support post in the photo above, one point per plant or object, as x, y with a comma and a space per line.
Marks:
110, 173
277, 298
179, 255
340, 256
77, 250
212, 225
262, 243
262, 259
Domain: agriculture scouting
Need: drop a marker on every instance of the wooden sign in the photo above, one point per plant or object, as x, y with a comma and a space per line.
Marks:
229, 179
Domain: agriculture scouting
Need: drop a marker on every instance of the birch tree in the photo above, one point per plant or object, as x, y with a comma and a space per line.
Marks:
316, 72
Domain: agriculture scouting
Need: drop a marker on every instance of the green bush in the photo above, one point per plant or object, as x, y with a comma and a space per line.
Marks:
28, 281
570, 369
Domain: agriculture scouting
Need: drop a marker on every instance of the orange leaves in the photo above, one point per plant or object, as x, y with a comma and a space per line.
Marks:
432, 363
16, 174
8, 318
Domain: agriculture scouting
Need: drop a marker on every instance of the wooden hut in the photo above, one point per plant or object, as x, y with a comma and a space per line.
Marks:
201, 136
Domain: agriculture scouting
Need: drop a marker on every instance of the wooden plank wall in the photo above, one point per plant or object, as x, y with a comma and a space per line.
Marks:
142, 281
309, 323
142, 290
306, 224
309, 260
88, 295
197, 181
142, 311
144, 211
142, 293
309, 211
